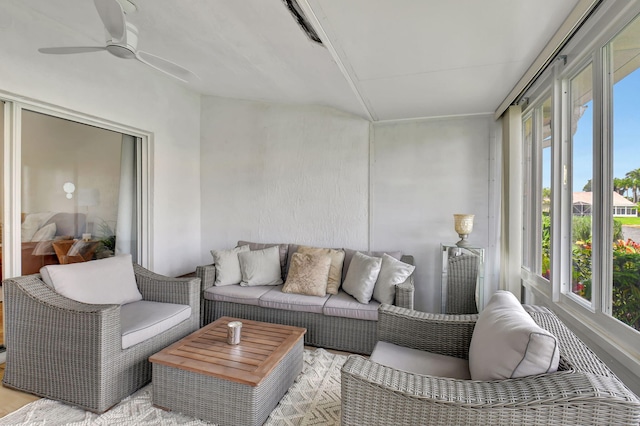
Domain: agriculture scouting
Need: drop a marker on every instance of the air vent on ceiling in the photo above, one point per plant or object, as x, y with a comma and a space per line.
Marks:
297, 13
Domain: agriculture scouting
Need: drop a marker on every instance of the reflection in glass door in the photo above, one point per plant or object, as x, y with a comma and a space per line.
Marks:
78, 192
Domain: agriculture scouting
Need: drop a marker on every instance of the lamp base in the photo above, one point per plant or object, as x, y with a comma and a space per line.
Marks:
464, 242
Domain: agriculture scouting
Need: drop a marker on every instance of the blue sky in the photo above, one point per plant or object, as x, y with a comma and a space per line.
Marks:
626, 133
626, 136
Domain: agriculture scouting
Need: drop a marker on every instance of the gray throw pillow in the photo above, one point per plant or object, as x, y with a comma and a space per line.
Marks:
260, 267
228, 265
392, 273
507, 343
361, 277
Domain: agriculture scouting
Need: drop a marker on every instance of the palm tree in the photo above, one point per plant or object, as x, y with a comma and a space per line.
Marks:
634, 177
621, 185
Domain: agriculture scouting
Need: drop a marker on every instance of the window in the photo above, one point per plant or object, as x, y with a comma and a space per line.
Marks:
581, 137
592, 170
624, 57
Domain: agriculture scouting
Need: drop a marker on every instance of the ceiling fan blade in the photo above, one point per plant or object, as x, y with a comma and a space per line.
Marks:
112, 16
167, 67
70, 49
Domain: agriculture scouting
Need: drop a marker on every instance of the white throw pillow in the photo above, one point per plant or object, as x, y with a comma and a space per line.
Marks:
392, 273
228, 265
361, 277
261, 267
104, 281
507, 343
45, 233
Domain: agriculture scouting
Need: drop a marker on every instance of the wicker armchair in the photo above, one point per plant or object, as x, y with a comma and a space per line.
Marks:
583, 391
70, 351
461, 284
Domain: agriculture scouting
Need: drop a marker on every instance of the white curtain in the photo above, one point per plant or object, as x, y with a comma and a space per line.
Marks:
126, 230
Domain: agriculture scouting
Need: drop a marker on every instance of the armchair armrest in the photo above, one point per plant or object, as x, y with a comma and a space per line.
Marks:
207, 275
159, 288
437, 333
405, 290
373, 394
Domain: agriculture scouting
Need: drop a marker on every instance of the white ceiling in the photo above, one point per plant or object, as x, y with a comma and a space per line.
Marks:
382, 60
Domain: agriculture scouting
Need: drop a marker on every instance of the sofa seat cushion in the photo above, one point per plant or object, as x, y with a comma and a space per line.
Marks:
237, 293
143, 320
276, 299
343, 305
420, 362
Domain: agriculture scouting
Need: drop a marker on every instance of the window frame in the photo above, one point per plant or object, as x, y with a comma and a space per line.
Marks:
12, 166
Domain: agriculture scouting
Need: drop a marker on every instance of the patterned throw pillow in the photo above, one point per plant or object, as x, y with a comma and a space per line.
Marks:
308, 274
335, 272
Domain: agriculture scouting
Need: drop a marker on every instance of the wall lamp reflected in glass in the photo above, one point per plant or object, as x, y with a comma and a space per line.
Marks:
69, 188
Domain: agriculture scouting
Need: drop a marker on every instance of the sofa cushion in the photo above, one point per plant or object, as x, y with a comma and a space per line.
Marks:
260, 267
276, 299
237, 293
104, 281
392, 273
343, 305
419, 362
348, 255
361, 277
308, 274
507, 343
283, 253
142, 320
228, 265
334, 279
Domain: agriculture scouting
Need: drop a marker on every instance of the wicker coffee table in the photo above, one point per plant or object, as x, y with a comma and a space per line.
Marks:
205, 377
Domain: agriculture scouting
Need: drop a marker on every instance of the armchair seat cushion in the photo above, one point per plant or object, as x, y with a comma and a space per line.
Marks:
420, 362
343, 305
237, 294
142, 320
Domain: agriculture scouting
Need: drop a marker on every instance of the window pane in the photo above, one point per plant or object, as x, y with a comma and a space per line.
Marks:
581, 91
73, 177
625, 50
545, 196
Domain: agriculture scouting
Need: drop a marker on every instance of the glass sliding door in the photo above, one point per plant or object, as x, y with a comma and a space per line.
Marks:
78, 192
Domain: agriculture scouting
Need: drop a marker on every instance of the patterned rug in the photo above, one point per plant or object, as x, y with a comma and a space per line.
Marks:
314, 399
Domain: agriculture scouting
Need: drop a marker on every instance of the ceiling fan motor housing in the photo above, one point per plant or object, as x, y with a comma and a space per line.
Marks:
126, 47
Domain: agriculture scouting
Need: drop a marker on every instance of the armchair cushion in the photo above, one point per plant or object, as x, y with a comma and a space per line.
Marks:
420, 362
507, 343
104, 281
142, 320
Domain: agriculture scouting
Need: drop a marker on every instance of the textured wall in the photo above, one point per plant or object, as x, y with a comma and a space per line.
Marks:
124, 92
422, 173
277, 173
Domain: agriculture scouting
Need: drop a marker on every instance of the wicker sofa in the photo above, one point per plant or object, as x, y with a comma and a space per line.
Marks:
583, 390
347, 331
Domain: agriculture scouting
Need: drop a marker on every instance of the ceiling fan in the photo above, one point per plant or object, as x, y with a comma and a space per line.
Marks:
122, 40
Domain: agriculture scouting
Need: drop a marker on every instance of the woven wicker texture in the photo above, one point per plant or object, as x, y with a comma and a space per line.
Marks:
586, 392
461, 284
345, 334
221, 401
70, 351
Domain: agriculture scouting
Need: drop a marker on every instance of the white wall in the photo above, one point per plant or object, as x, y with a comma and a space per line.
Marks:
279, 173
422, 173
125, 92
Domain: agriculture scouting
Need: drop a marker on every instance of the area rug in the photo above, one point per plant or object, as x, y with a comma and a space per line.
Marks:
314, 399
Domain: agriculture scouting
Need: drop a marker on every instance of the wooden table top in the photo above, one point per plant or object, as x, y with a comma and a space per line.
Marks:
206, 351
